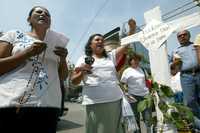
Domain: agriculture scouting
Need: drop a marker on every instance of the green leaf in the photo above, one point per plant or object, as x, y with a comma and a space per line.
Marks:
163, 106
149, 100
184, 111
175, 118
147, 96
142, 105
166, 91
179, 124
167, 117
155, 86
176, 115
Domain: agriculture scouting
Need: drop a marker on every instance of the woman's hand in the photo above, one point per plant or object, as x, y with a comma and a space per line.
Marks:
61, 52
79, 72
9, 62
62, 69
84, 69
37, 48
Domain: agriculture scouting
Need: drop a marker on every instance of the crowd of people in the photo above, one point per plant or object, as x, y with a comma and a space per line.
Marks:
34, 68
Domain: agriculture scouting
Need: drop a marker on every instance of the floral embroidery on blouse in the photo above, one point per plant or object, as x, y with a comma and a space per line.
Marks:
39, 75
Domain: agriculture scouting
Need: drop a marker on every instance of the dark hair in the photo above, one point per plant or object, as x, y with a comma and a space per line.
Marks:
88, 49
134, 56
31, 12
1, 33
131, 20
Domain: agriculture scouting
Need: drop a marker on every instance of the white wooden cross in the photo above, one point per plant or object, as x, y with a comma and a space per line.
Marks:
154, 37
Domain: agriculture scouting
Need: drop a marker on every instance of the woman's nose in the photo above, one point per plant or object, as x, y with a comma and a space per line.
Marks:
43, 13
100, 41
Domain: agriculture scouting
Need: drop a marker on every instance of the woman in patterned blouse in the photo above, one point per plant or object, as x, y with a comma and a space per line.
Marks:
30, 92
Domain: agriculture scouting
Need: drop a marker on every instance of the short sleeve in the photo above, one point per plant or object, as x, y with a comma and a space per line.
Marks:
9, 36
124, 77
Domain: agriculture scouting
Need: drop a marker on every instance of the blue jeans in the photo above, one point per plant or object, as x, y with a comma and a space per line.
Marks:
178, 97
191, 92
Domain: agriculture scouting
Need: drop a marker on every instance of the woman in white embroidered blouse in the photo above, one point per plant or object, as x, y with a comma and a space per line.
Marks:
30, 92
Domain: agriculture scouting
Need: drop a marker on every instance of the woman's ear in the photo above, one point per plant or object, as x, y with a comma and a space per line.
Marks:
28, 20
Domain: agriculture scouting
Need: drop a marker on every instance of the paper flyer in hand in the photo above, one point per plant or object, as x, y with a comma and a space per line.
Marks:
53, 39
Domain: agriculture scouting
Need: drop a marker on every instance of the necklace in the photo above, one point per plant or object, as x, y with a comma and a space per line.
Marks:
27, 93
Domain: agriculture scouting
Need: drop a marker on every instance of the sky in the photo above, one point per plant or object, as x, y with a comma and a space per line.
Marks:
78, 19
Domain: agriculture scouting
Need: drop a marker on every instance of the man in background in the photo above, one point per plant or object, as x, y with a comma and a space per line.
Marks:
190, 74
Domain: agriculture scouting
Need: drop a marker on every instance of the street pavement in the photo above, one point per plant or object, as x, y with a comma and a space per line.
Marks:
73, 121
